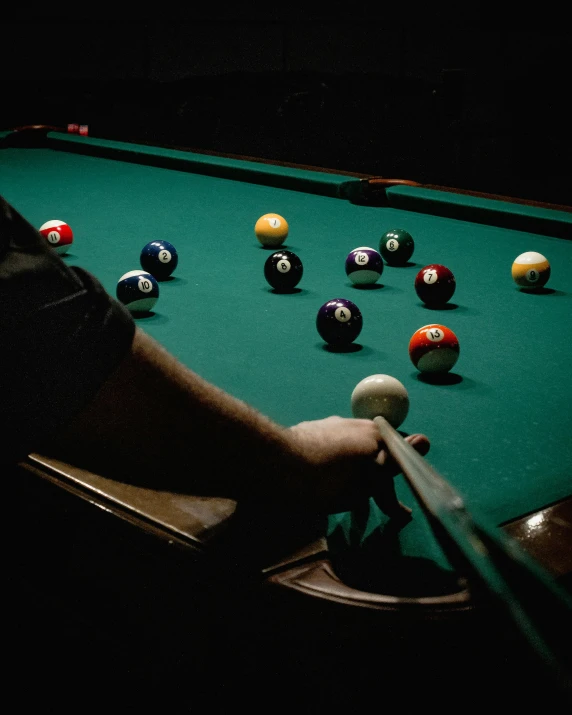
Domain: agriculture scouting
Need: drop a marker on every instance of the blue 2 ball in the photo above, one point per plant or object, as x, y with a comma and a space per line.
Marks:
159, 258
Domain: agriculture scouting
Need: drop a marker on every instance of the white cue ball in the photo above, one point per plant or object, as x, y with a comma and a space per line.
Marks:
380, 395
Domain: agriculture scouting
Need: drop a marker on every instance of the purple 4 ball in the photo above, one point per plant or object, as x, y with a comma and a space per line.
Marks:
339, 322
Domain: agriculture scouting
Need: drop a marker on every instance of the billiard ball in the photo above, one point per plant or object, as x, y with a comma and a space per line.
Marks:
434, 348
159, 258
138, 291
396, 246
271, 230
364, 266
58, 234
380, 395
283, 270
339, 322
530, 270
435, 284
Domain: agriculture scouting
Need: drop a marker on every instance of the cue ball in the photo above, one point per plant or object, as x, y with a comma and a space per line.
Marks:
396, 247
380, 395
364, 265
159, 258
271, 230
283, 270
530, 270
58, 234
434, 348
138, 291
339, 322
435, 284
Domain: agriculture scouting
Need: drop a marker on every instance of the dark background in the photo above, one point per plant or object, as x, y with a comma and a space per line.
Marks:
481, 108
476, 108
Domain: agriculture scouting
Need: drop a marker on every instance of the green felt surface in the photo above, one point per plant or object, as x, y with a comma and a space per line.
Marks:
500, 431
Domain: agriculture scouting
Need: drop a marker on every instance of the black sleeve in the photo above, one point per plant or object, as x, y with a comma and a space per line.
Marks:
61, 336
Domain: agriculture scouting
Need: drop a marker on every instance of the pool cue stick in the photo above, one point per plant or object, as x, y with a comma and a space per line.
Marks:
498, 563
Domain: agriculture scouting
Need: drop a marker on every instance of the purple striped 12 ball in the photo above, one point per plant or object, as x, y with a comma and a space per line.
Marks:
364, 265
339, 322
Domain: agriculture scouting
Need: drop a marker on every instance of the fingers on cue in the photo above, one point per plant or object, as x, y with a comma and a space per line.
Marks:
382, 485
386, 499
391, 468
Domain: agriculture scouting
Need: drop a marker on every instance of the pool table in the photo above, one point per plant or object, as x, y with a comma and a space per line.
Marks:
499, 422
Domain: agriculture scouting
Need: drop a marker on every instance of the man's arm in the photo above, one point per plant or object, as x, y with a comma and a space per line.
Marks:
157, 423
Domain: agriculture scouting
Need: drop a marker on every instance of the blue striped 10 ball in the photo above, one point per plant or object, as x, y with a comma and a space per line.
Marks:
138, 291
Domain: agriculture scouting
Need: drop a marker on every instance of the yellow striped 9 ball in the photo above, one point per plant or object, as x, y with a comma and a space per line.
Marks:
530, 270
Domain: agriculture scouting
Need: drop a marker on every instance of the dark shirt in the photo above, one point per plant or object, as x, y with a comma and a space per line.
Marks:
61, 337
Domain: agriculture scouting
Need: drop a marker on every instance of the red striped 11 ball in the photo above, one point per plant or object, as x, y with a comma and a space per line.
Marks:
434, 348
364, 265
396, 246
138, 291
435, 284
58, 234
283, 270
339, 322
159, 258
530, 270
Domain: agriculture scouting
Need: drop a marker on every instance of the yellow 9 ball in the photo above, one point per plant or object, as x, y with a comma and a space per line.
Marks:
530, 270
271, 230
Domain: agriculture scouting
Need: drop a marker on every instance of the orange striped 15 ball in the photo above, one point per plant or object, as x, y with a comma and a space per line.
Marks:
434, 348
530, 270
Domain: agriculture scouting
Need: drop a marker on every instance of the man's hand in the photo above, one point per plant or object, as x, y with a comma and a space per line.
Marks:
347, 464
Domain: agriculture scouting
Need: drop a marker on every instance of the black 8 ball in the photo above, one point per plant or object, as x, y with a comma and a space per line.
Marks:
283, 270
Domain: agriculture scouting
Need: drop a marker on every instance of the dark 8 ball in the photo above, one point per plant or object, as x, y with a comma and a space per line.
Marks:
283, 270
